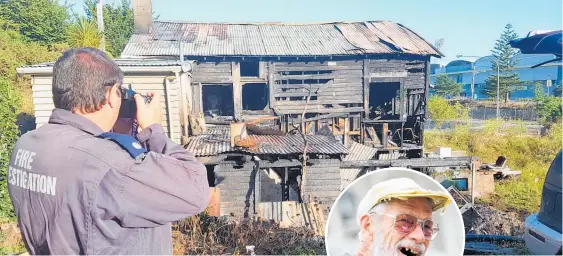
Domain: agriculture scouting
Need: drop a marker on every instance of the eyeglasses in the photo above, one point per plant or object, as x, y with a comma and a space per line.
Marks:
406, 223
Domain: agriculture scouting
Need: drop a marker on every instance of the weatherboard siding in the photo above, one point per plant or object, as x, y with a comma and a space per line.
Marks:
43, 99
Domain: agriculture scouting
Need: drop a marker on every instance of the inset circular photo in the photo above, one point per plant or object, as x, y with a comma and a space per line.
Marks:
392, 212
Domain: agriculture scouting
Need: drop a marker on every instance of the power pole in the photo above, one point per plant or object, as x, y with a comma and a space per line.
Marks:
100, 19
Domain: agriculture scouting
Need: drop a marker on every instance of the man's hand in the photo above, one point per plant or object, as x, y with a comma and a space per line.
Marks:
148, 114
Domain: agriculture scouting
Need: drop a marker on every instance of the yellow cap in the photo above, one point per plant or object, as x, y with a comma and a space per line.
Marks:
400, 188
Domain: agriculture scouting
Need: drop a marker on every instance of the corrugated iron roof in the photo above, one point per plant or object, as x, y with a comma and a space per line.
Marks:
216, 141
358, 152
274, 39
123, 63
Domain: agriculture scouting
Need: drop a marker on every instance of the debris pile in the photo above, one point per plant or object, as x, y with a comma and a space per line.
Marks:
493, 221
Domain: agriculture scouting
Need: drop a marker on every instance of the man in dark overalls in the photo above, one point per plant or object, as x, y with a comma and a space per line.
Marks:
78, 188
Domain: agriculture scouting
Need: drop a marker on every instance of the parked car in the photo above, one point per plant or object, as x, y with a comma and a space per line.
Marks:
543, 229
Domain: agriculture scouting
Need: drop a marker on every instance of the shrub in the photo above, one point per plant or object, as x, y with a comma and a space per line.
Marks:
548, 107
441, 111
9, 109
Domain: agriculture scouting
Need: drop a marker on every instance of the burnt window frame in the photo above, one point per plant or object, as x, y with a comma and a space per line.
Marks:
402, 96
202, 102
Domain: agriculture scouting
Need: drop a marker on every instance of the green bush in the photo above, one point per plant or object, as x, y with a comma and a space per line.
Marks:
548, 107
441, 111
9, 109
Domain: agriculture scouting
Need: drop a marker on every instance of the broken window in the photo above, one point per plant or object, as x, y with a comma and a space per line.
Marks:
385, 100
218, 99
250, 68
254, 96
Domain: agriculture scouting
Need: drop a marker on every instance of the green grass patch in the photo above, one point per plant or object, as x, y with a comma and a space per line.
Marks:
532, 155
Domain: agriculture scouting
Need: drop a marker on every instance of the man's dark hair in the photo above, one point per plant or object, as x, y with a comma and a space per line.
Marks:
81, 78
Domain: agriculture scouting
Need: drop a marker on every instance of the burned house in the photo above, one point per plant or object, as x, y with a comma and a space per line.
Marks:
357, 82
364, 81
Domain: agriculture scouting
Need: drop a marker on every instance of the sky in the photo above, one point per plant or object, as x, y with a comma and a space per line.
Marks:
469, 27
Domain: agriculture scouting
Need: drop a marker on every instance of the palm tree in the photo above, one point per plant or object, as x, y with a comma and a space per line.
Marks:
84, 33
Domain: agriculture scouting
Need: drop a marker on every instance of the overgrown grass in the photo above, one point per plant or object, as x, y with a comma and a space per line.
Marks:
532, 155
205, 235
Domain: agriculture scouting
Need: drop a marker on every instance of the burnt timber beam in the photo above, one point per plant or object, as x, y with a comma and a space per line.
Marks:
279, 163
366, 83
237, 90
426, 97
326, 116
271, 85
464, 161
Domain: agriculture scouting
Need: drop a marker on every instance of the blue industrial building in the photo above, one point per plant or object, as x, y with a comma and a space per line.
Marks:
461, 70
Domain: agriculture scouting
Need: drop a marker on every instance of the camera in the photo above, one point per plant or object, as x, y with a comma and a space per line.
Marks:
128, 105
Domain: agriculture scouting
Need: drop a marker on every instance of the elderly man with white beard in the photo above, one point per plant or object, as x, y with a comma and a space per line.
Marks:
395, 218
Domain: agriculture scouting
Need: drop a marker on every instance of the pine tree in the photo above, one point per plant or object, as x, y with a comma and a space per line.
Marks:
447, 87
503, 53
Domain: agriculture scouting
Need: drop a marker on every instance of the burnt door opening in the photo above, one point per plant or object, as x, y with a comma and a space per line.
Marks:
254, 96
217, 99
385, 100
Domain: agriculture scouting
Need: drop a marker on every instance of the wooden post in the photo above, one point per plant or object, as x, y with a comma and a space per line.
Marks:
366, 81
473, 176
197, 92
214, 208
426, 96
346, 131
384, 134
271, 83
237, 90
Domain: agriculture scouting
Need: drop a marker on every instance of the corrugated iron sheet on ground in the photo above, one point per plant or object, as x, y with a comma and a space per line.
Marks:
216, 141
358, 152
276, 39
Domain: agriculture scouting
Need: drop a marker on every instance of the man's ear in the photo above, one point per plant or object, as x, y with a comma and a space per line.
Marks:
113, 96
365, 223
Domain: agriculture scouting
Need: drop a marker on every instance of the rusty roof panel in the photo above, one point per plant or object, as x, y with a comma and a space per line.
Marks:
216, 141
267, 39
358, 152
294, 144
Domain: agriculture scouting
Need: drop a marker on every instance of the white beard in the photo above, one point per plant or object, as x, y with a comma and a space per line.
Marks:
378, 247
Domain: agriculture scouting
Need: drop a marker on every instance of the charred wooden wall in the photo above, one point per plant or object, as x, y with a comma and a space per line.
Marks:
237, 186
334, 86
208, 73
212, 72
322, 182
339, 85
411, 71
